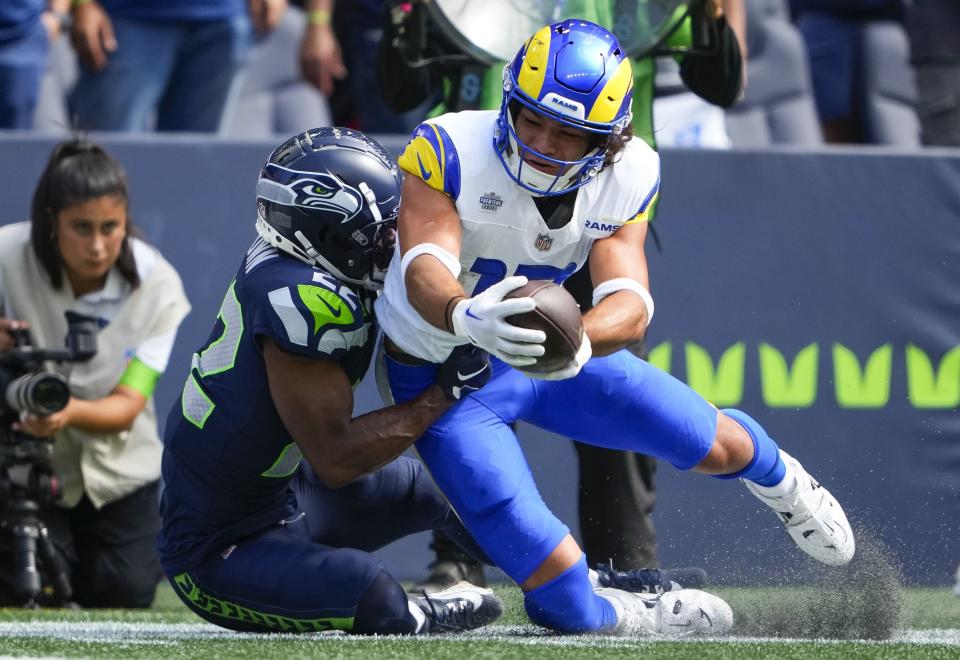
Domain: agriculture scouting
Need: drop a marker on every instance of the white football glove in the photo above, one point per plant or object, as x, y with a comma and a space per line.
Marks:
572, 368
480, 320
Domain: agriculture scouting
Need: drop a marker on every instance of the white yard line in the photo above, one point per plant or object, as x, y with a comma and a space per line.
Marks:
159, 634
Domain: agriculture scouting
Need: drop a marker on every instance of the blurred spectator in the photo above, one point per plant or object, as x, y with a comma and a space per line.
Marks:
174, 62
934, 30
27, 27
346, 50
78, 259
832, 32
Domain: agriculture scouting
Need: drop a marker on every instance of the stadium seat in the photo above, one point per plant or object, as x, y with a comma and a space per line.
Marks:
778, 105
274, 98
889, 90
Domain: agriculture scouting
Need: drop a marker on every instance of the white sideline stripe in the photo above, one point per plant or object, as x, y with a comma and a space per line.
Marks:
160, 634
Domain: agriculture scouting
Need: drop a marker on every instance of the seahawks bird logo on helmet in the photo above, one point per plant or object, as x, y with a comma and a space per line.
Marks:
329, 197
327, 192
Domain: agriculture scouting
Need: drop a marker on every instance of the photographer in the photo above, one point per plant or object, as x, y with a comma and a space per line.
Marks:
77, 257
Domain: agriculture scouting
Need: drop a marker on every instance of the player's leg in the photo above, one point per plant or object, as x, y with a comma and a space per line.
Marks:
394, 501
625, 403
475, 458
279, 581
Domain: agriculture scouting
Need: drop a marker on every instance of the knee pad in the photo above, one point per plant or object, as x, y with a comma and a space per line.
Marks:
383, 609
567, 603
766, 467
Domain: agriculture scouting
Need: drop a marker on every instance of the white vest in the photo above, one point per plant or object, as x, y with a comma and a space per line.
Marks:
503, 231
105, 466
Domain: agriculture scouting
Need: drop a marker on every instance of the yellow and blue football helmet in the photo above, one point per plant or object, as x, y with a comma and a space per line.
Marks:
574, 72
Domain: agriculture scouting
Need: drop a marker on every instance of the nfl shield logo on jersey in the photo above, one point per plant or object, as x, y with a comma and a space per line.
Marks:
543, 242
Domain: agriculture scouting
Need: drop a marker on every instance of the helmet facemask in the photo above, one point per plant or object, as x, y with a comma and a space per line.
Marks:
355, 249
513, 152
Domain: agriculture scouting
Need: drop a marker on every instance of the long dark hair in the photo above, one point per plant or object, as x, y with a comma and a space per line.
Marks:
77, 171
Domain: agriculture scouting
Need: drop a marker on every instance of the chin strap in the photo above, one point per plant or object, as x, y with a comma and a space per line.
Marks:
307, 245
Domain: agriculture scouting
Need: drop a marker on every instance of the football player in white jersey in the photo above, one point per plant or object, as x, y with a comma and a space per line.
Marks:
546, 185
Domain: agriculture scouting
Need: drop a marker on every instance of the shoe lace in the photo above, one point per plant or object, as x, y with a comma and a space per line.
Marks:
641, 580
450, 613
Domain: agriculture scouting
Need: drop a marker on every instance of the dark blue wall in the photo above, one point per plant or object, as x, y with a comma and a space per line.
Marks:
850, 251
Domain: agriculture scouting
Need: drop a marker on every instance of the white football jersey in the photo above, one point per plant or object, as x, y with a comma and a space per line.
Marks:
503, 231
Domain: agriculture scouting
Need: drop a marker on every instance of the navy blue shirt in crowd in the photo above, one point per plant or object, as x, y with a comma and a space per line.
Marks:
228, 458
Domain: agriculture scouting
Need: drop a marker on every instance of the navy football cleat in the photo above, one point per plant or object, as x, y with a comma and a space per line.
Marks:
651, 580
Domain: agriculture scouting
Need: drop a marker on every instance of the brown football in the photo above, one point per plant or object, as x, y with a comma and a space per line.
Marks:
558, 315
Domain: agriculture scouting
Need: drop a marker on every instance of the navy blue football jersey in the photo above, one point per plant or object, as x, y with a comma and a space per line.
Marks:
227, 456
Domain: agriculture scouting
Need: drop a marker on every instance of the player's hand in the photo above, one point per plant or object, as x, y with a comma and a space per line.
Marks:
481, 321
464, 372
92, 34
572, 368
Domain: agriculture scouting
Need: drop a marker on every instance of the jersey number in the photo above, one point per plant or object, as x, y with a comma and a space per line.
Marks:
219, 356
492, 271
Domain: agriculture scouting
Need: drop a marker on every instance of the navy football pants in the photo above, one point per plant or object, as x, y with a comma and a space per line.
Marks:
312, 572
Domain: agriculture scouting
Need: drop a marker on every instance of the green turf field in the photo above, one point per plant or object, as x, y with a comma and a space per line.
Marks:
928, 626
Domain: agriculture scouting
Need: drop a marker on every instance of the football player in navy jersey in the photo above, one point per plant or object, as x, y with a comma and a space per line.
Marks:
251, 540
549, 184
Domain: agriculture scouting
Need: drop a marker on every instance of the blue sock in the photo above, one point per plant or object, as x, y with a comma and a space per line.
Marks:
567, 603
766, 468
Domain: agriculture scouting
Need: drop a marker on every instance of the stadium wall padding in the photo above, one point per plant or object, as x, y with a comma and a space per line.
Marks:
819, 292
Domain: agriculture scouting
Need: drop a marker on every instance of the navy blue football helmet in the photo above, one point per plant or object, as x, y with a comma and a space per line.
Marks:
330, 197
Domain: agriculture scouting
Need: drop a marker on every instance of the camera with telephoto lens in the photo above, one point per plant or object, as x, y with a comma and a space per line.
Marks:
27, 480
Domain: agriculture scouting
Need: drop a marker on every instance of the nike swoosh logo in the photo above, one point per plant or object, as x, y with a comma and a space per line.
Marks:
335, 311
423, 171
472, 315
466, 377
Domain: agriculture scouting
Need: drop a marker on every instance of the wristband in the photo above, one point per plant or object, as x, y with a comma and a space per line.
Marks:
315, 17
78, 3
447, 315
449, 261
604, 289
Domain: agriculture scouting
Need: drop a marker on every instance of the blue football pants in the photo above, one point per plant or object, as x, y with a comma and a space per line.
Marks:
618, 401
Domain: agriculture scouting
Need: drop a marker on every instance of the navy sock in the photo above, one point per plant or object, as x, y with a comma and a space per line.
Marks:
766, 468
568, 604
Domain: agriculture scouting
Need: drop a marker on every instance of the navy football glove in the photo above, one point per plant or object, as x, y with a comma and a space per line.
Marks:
465, 371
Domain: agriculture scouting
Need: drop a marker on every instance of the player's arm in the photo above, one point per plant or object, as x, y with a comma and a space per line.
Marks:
430, 231
315, 401
621, 316
429, 218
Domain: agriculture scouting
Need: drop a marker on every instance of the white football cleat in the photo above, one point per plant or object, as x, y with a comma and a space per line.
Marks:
813, 517
679, 613
458, 608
